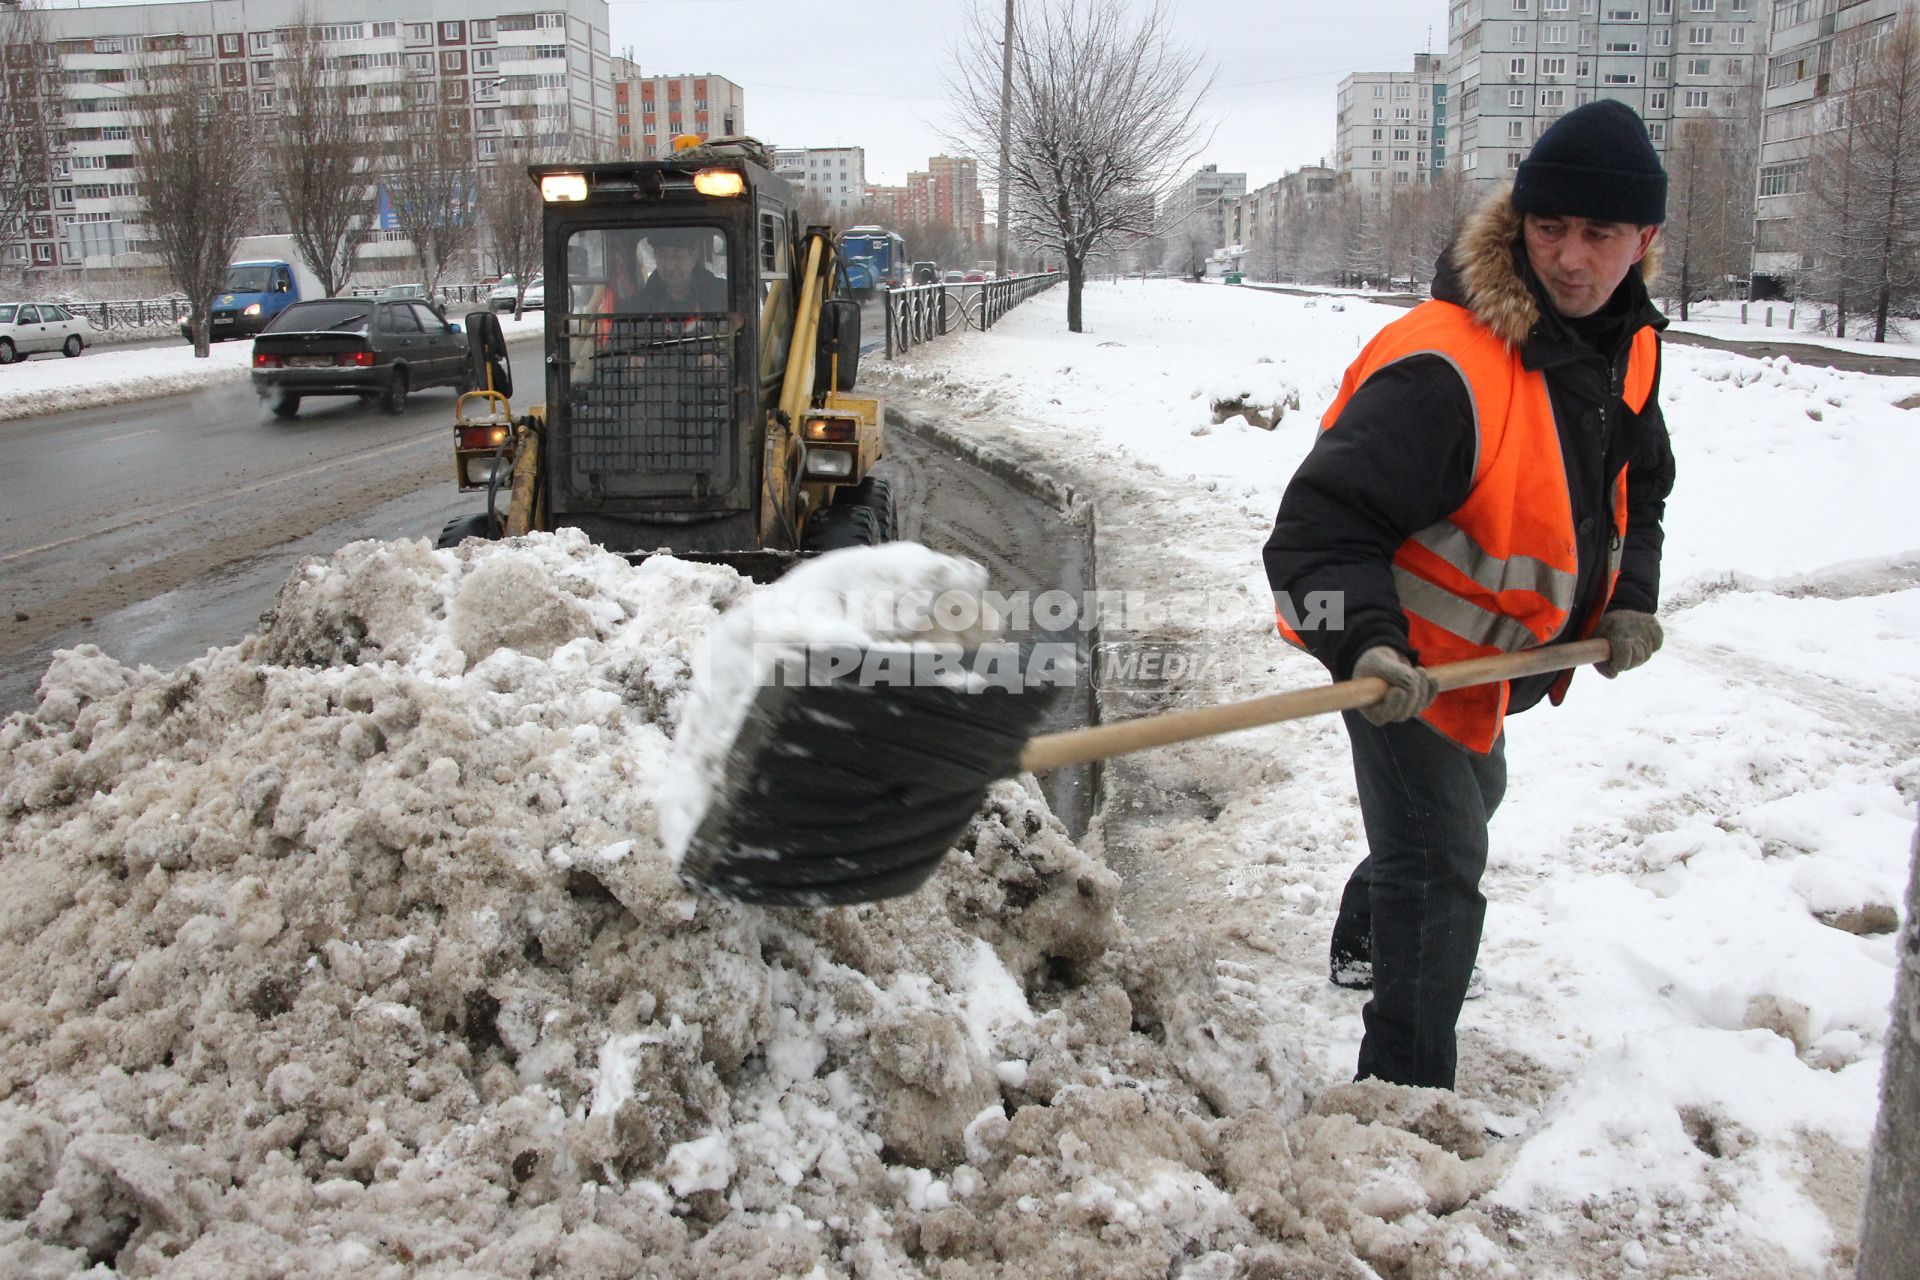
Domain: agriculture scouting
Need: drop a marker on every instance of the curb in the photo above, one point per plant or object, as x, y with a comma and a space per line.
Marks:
1075, 508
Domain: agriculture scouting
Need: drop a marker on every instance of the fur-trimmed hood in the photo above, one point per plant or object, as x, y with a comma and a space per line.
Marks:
1481, 270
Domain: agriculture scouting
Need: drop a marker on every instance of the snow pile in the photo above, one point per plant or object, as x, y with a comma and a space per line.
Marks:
355, 942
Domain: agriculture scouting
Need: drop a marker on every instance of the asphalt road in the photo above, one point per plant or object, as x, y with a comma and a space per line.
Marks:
159, 528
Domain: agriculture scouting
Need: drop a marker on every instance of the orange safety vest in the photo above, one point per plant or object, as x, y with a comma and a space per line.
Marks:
1498, 575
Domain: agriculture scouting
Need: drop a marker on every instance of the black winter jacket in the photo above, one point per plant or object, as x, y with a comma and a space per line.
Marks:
1401, 456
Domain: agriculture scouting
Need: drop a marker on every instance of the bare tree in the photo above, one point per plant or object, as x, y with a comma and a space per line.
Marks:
1104, 116
319, 149
1705, 244
433, 186
1863, 180
511, 209
1888, 165
201, 172
34, 113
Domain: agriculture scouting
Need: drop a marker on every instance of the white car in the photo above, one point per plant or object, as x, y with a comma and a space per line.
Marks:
27, 327
536, 299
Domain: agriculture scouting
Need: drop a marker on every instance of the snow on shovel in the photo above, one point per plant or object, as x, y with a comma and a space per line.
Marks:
834, 762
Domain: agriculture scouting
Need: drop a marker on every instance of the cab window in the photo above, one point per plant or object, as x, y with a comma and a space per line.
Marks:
776, 295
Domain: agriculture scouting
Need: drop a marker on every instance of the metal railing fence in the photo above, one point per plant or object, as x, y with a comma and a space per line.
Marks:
921, 313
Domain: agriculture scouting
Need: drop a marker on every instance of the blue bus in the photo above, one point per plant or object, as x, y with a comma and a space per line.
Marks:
875, 258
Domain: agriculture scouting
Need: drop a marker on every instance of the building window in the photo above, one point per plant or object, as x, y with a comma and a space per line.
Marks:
1656, 131
262, 41
1553, 97
420, 33
1622, 46
1519, 35
1402, 135
1516, 97
1516, 66
263, 99
1553, 66
550, 21
420, 62
483, 59
1660, 69
1513, 159
1556, 34
233, 73
230, 42
1784, 179
1696, 98
1700, 6
1663, 38
344, 31
450, 32
453, 60
1553, 6
1520, 6
1662, 8
385, 30
482, 28
1699, 66
1699, 35
1620, 77
1737, 35
1376, 135
1657, 100
1516, 129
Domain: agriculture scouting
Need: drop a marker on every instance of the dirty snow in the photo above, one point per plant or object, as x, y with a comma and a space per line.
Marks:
354, 948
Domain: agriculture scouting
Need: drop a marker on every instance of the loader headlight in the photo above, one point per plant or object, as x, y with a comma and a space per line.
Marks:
482, 469
557, 187
829, 464
829, 429
719, 182
253, 310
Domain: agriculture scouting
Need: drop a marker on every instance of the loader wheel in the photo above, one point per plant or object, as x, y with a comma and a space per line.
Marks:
841, 525
474, 526
394, 398
873, 494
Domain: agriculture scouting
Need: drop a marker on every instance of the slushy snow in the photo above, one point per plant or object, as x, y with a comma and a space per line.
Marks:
354, 948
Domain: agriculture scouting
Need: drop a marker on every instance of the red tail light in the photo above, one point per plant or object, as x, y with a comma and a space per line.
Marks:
263, 361
356, 359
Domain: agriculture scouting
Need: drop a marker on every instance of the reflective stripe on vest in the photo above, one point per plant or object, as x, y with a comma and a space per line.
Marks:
1499, 574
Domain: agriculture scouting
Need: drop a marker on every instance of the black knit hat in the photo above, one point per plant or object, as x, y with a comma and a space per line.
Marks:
1594, 162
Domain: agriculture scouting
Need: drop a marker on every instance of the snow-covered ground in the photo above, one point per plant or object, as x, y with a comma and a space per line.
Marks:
356, 943
105, 376
1793, 324
1696, 865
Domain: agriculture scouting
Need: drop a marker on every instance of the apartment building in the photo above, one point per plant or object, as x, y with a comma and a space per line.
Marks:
1390, 128
1201, 203
1811, 49
838, 175
649, 112
541, 72
946, 193
1515, 66
1257, 219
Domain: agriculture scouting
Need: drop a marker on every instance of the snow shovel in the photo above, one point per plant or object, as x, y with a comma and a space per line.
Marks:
840, 793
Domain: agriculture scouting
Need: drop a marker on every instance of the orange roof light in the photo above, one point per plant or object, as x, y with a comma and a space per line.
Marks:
686, 141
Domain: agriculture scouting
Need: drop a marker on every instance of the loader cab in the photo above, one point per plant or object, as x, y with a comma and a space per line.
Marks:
669, 312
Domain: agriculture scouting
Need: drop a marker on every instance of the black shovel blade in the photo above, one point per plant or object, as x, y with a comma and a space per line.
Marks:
852, 788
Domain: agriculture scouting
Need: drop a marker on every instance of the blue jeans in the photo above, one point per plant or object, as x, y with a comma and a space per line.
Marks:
1413, 906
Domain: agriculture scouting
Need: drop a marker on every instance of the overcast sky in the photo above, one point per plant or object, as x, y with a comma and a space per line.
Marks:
871, 74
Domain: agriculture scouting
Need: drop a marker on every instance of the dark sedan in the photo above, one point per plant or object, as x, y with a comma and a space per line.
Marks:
366, 347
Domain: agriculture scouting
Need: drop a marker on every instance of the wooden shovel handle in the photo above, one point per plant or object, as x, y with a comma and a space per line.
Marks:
1078, 746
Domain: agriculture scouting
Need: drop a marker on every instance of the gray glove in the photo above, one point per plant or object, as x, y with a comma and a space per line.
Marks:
1409, 689
1632, 636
